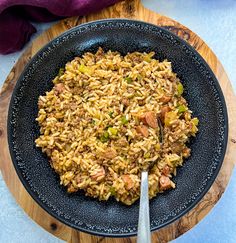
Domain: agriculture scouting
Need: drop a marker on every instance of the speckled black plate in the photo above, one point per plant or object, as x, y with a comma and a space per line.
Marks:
111, 218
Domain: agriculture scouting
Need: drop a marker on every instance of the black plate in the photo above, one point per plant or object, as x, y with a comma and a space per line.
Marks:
111, 218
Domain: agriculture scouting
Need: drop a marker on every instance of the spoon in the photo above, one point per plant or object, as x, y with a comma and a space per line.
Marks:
144, 233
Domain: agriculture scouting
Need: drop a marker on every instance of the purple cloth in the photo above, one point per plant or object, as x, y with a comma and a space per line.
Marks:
15, 28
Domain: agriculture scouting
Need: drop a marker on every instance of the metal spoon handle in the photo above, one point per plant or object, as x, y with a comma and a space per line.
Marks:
144, 234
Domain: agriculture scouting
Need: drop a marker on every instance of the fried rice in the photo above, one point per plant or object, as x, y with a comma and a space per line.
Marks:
108, 118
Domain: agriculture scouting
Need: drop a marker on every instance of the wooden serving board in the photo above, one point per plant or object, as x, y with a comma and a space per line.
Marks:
131, 9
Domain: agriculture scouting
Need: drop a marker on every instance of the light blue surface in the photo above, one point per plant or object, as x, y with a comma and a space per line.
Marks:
214, 21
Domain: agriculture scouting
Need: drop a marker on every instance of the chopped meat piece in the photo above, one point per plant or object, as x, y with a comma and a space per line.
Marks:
98, 174
78, 179
128, 182
59, 88
142, 130
166, 170
165, 182
71, 189
141, 102
177, 148
123, 129
186, 152
142, 118
125, 101
149, 118
165, 99
73, 106
109, 154
122, 142
164, 110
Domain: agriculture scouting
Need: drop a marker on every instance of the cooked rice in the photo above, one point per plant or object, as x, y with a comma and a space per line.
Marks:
108, 117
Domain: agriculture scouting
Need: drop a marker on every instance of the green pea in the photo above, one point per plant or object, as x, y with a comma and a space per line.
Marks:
105, 137
195, 121
181, 108
112, 131
111, 114
129, 80
180, 89
124, 120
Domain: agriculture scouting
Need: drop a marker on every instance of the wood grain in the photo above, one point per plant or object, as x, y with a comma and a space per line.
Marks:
134, 10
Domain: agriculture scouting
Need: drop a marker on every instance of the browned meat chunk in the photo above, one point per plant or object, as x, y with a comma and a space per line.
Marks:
177, 148
165, 99
122, 142
110, 153
166, 170
98, 174
142, 130
142, 118
125, 101
165, 183
78, 179
164, 110
71, 189
186, 152
150, 119
128, 182
59, 88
